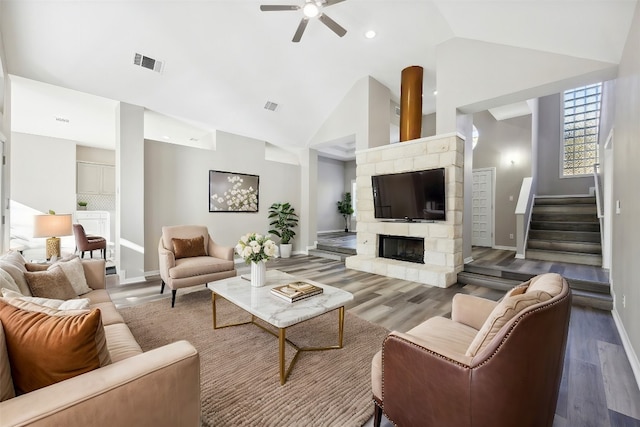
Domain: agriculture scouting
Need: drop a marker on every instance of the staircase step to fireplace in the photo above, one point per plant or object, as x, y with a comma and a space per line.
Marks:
329, 254
491, 282
339, 249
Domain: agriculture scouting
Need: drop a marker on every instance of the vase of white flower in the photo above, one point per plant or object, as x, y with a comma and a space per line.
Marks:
256, 249
258, 273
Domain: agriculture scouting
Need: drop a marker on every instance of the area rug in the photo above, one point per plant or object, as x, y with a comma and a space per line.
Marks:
239, 365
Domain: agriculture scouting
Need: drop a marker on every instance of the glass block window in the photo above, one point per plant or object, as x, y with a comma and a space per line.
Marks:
581, 122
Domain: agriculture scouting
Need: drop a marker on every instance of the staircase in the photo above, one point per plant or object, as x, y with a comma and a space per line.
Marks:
585, 293
565, 229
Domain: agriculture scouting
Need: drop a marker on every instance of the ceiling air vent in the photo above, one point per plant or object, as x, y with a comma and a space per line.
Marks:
271, 106
148, 63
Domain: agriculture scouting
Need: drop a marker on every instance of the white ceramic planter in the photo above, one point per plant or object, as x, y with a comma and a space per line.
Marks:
285, 250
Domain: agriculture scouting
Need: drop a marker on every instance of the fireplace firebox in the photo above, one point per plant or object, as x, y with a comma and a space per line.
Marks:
410, 249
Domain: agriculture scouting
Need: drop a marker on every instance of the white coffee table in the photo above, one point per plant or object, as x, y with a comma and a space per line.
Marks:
261, 304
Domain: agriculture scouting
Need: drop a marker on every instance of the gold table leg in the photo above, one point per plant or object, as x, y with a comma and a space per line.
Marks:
282, 339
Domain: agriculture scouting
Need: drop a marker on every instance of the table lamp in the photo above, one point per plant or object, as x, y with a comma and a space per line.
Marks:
51, 226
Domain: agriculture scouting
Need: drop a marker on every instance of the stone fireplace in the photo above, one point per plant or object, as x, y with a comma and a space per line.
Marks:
441, 251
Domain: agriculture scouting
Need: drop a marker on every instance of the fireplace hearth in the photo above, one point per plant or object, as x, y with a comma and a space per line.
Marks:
410, 249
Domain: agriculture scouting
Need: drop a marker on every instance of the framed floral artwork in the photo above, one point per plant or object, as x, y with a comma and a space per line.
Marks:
233, 192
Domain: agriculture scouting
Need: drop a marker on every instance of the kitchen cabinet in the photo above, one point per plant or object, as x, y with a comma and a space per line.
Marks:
97, 223
95, 178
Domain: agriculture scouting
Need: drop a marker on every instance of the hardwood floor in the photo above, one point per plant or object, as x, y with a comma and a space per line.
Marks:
598, 387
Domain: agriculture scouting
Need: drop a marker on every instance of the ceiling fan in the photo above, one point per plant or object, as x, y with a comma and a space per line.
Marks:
311, 9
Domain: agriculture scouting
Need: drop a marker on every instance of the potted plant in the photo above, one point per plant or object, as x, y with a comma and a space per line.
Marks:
283, 219
345, 209
82, 206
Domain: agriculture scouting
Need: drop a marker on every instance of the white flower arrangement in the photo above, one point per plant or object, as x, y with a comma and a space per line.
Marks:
254, 247
236, 198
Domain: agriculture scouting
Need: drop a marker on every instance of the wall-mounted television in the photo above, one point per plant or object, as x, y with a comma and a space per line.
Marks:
410, 196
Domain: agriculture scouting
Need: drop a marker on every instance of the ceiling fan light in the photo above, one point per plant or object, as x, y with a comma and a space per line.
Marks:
311, 10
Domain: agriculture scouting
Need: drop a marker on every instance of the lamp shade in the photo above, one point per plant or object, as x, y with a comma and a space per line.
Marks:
52, 225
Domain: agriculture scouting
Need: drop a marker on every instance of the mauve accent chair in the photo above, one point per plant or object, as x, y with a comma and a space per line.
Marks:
214, 263
493, 364
89, 243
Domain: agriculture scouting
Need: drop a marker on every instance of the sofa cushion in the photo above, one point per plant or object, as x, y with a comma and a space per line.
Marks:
197, 266
52, 283
110, 314
187, 248
121, 342
6, 382
97, 296
514, 302
46, 349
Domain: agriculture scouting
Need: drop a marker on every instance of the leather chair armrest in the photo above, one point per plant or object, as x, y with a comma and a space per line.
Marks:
166, 260
219, 251
422, 386
132, 392
471, 310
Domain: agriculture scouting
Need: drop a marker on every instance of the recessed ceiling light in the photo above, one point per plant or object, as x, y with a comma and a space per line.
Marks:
435, 92
166, 137
370, 34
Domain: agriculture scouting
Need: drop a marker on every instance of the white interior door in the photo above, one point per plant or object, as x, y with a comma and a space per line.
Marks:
482, 208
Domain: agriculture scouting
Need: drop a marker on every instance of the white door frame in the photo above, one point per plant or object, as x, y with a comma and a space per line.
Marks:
492, 213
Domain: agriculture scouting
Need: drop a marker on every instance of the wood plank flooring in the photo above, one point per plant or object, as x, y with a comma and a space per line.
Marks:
598, 387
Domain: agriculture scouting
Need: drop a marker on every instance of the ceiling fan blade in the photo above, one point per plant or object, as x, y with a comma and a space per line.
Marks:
273, 8
298, 35
333, 25
332, 2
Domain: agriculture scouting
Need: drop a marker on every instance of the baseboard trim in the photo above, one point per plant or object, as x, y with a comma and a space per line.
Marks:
520, 256
626, 343
133, 280
468, 260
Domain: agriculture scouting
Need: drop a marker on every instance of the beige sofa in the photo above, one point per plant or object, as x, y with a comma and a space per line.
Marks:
160, 387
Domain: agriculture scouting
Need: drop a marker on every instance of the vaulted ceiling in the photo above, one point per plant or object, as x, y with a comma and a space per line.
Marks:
223, 60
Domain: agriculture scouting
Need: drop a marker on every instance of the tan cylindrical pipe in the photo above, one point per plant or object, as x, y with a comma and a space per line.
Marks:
411, 103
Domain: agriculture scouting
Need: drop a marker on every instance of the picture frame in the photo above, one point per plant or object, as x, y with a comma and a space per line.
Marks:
233, 192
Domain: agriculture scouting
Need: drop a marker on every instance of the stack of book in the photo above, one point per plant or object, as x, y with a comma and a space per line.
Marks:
296, 291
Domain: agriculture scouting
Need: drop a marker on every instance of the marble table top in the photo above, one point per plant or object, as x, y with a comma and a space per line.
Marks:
263, 304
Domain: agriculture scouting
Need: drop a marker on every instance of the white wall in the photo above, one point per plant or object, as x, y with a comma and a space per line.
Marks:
331, 183
549, 147
43, 175
514, 74
349, 177
176, 189
500, 142
626, 175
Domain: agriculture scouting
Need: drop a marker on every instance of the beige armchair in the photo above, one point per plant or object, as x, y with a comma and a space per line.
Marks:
492, 364
188, 256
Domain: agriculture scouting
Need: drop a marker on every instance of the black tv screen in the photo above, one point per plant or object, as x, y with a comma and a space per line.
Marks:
418, 195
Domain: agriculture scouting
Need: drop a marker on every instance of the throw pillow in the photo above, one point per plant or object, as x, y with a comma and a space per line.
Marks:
185, 248
74, 271
506, 310
14, 258
47, 349
6, 382
52, 283
73, 304
18, 276
32, 266
7, 282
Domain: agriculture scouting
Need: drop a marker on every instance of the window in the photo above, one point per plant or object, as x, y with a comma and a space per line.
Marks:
581, 122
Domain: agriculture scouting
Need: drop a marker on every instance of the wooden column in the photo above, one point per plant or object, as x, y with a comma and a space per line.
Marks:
411, 103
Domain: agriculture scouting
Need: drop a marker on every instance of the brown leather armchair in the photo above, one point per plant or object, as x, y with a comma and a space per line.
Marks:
188, 256
89, 243
492, 364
